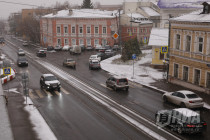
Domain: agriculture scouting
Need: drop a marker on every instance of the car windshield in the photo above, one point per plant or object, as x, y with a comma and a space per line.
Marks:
22, 59
123, 80
96, 62
41, 51
21, 51
69, 60
191, 96
93, 56
50, 78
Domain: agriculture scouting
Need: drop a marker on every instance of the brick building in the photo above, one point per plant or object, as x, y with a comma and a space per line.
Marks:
190, 50
78, 26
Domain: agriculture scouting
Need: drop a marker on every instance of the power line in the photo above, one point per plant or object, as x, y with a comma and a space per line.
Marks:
18, 3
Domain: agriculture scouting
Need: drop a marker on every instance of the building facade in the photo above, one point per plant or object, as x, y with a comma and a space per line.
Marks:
78, 26
190, 50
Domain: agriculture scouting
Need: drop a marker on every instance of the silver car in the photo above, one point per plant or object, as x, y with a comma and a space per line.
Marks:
184, 98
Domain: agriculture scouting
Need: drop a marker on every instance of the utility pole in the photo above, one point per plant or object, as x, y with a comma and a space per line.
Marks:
25, 84
120, 41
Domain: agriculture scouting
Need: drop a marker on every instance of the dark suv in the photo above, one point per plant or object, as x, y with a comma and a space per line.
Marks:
49, 82
182, 120
117, 83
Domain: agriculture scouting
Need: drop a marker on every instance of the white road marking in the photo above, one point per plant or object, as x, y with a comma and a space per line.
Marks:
12, 90
64, 91
39, 93
47, 92
56, 92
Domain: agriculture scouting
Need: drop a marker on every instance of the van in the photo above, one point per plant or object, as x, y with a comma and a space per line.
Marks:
75, 49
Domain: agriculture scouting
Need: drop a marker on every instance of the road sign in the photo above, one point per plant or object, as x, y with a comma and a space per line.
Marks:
133, 56
164, 49
115, 35
7, 71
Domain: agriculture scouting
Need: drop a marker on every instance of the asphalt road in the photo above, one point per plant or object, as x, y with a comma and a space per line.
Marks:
73, 115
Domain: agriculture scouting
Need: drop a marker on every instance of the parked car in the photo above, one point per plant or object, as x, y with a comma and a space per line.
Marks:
69, 62
109, 52
25, 43
41, 53
102, 55
116, 48
89, 48
82, 47
107, 47
21, 52
58, 48
2, 40
116, 83
66, 48
98, 47
182, 120
50, 48
49, 82
94, 64
184, 98
22, 61
94, 57
75, 49
102, 49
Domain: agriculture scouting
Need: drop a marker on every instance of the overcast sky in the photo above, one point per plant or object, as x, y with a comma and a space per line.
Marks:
7, 8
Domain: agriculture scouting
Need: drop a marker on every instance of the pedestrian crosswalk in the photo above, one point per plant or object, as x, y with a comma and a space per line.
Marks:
38, 93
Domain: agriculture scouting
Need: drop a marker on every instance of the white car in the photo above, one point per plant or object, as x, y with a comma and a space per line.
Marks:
184, 98
94, 57
66, 48
98, 47
25, 43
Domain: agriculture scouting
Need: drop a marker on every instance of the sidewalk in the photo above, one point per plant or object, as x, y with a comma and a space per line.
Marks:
5, 126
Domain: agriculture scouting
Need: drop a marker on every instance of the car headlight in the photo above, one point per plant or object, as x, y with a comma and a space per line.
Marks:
19, 63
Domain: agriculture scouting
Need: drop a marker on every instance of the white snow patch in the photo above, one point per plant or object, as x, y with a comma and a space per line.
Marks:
142, 74
207, 106
40, 126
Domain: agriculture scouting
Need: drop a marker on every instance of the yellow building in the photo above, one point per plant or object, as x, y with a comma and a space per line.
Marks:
189, 63
158, 38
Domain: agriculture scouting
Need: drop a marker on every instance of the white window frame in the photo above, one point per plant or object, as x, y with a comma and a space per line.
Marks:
58, 26
128, 30
80, 27
194, 75
206, 78
59, 41
87, 41
186, 43
95, 42
202, 43
87, 29
103, 30
74, 29
81, 42
174, 70
183, 72
73, 40
65, 27
176, 42
66, 43
95, 30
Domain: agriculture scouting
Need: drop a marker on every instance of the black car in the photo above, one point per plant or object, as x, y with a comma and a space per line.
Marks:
89, 48
22, 61
102, 55
50, 48
2, 40
49, 82
41, 53
182, 120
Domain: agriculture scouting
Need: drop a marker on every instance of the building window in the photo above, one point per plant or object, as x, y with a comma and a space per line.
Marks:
128, 30
88, 30
104, 30
80, 30
66, 30
96, 42
73, 30
81, 42
188, 43
197, 74
185, 73
135, 30
66, 41
176, 70
141, 30
161, 56
200, 44
96, 30
59, 41
88, 42
208, 80
58, 29
177, 41
73, 42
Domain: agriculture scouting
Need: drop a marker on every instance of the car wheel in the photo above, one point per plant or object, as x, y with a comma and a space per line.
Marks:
126, 89
107, 85
165, 100
74, 67
179, 130
183, 105
59, 89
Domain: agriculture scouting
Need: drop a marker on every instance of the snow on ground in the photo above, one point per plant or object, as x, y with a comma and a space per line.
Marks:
40, 126
142, 74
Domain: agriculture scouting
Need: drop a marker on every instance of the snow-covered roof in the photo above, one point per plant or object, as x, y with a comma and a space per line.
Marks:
158, 37
82, 13
135, 15
150, 11
181, 3
195, 16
